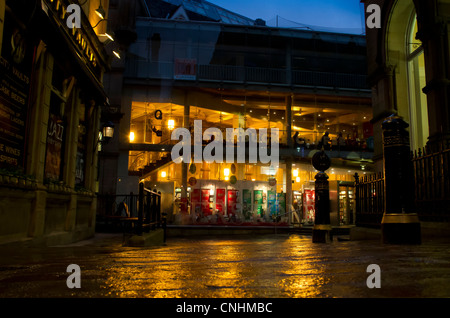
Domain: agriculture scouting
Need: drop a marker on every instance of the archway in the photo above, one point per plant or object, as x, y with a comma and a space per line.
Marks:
405, 54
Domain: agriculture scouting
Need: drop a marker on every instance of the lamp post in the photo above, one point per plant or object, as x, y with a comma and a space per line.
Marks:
400, 225
322, 225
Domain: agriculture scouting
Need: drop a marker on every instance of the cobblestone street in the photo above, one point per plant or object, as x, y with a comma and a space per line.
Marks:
265, 266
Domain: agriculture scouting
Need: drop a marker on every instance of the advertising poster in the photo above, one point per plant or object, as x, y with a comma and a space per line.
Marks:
185, 69
220, 200
308, 205
272, 202
247, 203
232, 200
258, 195
15, 75
55, 135
205, 202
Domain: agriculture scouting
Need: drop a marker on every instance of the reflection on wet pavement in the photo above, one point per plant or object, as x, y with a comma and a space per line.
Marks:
275, 266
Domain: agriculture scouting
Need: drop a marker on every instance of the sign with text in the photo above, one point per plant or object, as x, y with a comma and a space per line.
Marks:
220, 200
15, 74
185, 69
205, 202
55, 135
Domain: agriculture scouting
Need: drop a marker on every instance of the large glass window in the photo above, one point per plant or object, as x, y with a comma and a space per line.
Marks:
418, 110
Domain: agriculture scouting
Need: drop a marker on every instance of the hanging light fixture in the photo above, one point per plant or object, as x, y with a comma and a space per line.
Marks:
100, 11
171, 122
117, 54
105, 135
108, 130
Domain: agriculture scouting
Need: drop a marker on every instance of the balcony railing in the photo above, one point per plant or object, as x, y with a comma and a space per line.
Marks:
241, 74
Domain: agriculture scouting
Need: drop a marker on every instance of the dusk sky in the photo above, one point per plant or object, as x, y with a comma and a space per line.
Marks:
324, 13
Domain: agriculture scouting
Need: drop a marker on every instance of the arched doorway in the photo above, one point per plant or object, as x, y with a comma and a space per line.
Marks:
418, 111
405, 54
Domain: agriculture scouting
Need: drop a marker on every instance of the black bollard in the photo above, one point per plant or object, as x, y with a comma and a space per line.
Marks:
399, 224
322, 225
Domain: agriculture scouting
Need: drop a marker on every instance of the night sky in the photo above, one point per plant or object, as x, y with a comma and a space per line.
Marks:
325, 13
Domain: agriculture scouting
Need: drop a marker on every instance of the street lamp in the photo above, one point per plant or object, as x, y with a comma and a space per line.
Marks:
105, 135
108, 131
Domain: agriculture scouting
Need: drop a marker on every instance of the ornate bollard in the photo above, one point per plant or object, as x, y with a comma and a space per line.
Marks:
399, 224
322, 225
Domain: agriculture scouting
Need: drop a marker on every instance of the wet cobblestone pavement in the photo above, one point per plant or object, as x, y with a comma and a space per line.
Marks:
266, 266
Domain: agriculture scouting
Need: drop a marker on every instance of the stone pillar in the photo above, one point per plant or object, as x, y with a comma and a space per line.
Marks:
289, 101
288, 187
433, 31
399, 224
322, 224
288, 122
184, 166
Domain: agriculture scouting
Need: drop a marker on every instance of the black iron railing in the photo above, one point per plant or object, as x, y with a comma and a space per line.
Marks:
241, 74
369, 200
149, 211
132, 213
432, 184
431, 170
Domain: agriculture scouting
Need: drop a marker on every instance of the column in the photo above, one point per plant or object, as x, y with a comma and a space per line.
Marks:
288, 187
433, 32
288, 121
289, 101
184, 166
399, 225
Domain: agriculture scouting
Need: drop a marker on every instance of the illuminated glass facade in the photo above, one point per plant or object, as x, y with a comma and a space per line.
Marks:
303, 83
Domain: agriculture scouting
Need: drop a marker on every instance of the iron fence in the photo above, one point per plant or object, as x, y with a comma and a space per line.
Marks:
432, 184
369, 200
132, 213
431, 171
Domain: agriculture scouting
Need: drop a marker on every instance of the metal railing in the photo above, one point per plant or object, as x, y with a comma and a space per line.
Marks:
431, 175
111, 206
131, 214
149, 211
244, 74
432, 184
369, 200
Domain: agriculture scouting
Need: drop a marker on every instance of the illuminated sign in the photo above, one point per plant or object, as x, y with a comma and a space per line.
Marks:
61, 12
